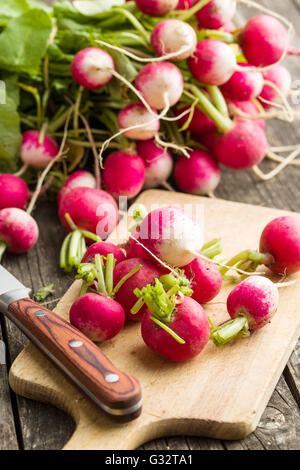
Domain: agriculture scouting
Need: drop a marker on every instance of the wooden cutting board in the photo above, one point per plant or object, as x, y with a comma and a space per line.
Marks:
222, 393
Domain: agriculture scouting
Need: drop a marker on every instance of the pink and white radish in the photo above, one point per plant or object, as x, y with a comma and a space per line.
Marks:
174, 36
18, 231
200, 122
206, 280
135, 115
158, 163
264, 40
242, 147
36, 153
243, 86
14, 191
103, 249
161, 84
281, 78
216, 14
213, 62
92, 68
156, 7
123, 174
78, 179
199, 174
90, 209
251, 305
244, 110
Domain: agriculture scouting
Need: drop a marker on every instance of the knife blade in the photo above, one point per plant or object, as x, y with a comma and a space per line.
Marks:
114, 391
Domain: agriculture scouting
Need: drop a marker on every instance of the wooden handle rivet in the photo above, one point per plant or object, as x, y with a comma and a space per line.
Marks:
112, 378
75, 343
40, 313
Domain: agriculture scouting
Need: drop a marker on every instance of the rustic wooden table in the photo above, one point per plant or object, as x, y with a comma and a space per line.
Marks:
26, 424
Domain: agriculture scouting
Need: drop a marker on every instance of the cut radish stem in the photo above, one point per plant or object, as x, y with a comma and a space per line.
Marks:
206, 280
199, 174
176, 328
14, 192
18, 231
243, 86
158, 163
37, 153
251, 305
103, 249
92, 68
78, 179
216, 14
174, 36
136, 114
123, 174
156, 7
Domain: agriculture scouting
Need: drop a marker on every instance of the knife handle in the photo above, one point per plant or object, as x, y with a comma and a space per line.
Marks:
83, 361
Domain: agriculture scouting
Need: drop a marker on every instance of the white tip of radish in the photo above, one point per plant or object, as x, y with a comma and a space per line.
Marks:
158, 163
216, 14
171, 36
156, 7
18, 230
281, 77
78, 179
136, 114
161, 84
89, 68
36, 154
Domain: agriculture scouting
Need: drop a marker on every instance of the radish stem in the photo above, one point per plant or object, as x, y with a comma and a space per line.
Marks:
237, 328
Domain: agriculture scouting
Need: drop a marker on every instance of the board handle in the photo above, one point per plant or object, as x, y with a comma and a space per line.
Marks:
83, 361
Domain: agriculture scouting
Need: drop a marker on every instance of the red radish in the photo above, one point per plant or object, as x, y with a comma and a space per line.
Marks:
229, 27
251, 306
18, 231
158, 163
161, 84
144, 276
263, 40
186, 323
135, 114
14, 191
103, 249
123, 174
99, 317
172, 36
199, 174
134, 250
35, 153
90, 209
91, 68
184, 4
216, 14
156, 7
213, 62
78, 179
206, 280
280, 241
246, 107
172, 235
242, 147
281, 77
243, 86
200, 123
206, 139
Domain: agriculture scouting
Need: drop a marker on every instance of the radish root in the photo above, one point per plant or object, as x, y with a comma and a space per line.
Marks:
266, 177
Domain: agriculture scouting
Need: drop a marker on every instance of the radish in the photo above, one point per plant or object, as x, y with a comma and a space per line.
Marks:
123, 174
243, 86
156, 7
242, 147
144, 276
14, 192
18, 231
92, 68
200, 122
213, 62
158, 163
78, 179
199, 174
251, 306
229, 27
281, 77
171, 36
172, 235
206, 280
90, 209
177, 330
247, 108
264, 40
216, 14
184, 4
136, 114
161, 84
103, 249
134, 250
99, 317
37, 153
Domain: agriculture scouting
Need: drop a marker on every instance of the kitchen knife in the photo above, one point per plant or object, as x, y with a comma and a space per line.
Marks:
117, 393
